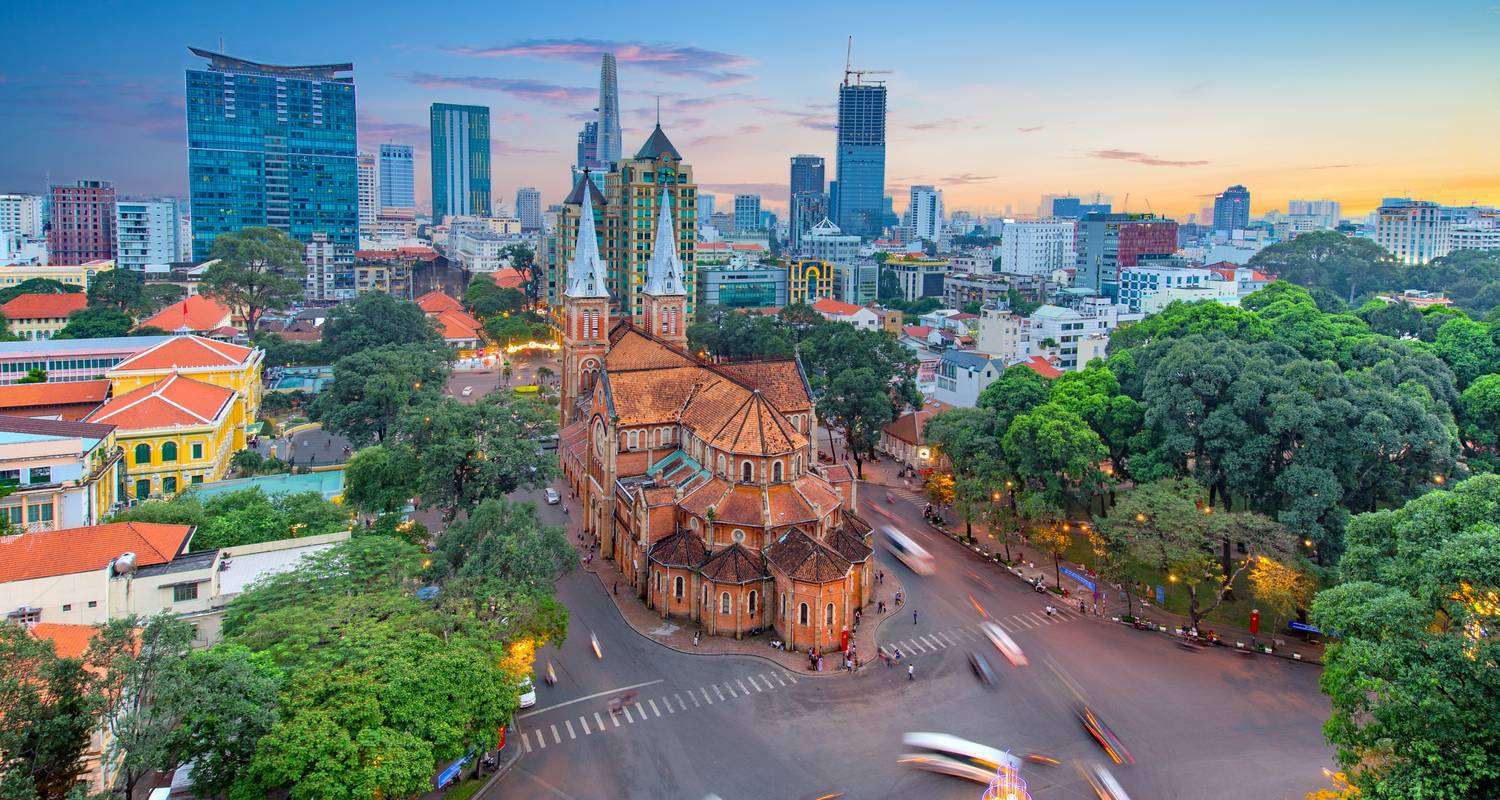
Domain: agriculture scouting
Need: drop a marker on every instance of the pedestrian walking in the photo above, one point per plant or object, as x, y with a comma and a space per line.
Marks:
914, 615
1050, 610
1081, 608
617, 588
911, 672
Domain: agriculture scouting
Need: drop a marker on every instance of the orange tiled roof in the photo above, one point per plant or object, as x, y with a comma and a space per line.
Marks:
631, 349
850, 545
908, 427
73, 550
734, 564
29, 395
508, 278
186, 352
756, 427
44, 306
193, 313
69, 641
434, 302
1042, 367
455, 325
800, 557
173, 401
741, 505
838, 307
698, 501
779, 380
646, 396
681, 549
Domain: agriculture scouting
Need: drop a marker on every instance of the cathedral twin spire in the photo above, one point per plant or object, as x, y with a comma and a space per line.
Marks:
586, 272
664, 272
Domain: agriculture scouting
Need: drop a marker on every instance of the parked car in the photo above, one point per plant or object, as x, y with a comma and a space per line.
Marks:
553, 498
528, 693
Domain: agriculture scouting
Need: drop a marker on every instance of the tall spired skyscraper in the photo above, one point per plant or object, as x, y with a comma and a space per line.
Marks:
860, 190
608, 148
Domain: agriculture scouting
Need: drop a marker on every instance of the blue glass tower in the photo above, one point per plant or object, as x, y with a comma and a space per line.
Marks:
272, 146
860, 190
397, 183
460, 161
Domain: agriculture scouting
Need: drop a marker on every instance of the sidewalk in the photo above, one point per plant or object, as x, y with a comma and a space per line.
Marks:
677, 633
1033, 563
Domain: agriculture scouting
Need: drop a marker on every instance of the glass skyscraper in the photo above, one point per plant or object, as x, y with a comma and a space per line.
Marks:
1232, 209
272, 146
861, 159
460, 161
397, 181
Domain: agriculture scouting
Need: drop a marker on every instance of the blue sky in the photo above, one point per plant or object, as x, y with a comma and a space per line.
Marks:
996, 103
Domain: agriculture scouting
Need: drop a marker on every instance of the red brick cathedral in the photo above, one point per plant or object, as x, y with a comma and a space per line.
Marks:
702, 480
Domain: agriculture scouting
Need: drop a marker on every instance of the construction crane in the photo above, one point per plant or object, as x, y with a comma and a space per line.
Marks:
859, 74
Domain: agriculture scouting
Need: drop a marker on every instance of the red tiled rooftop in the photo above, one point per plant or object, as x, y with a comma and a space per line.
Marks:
29, 395
838, 307
72, 550
44, 306
186, 352
194, 313
68, 641
166, 403
435, 302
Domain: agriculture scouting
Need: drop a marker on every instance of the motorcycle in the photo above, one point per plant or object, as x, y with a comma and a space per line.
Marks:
594, 642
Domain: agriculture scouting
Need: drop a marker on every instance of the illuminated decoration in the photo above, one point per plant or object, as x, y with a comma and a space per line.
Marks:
923, 453
1006, 785
533, 345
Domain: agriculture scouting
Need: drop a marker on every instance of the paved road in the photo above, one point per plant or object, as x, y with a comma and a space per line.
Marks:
524, 367
1206, 724
314, 447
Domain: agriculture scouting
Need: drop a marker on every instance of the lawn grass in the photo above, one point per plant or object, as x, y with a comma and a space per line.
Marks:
464, 789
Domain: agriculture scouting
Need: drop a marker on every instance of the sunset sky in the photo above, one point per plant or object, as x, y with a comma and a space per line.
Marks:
996, 103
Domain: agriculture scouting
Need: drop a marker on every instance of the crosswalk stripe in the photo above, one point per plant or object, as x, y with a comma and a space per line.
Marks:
628, 720
615, 718
642, 710
556, 737
791, 677
935, 643
1024, 623
742, 685
569, 723
769, 685
756, 683
584, 721
949, 638
668, 704
526, 740
717, 692
707, 697
778, 678
599, 720
916, 645
541, 739
727, 688
654, 709
696, 704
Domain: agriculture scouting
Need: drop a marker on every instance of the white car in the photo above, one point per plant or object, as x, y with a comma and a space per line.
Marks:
1002, 642
553, 498
528, 693
468, 390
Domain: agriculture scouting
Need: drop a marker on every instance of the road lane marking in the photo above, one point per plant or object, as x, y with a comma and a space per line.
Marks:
952, 641
742, 685
716, 691
556, 737
935, 643
791, 677
615, 718
628, 720
599, 720
653, 707
585, 723
526, 740
696, 704
590, 697
707, 697
729, 689
751, 678
569, 723
541, 739
679, 700
769, 685
642, 709
1025, 623
668, 703
913, 644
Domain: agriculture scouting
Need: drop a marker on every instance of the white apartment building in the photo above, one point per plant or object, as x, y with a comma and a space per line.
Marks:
323, 268
479, 250
1037, 248
1138, 283
1475, 236
1414, 231
825, 242
21, 213
369, 194
147, 234
1326, 214
926, 214
1070, 337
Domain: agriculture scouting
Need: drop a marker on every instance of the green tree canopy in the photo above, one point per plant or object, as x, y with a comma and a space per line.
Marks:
484, 299
1347, 265
1411, 674
381, 479
374, 320
255, 270
372, 388
248, 516
48, 711
98, 322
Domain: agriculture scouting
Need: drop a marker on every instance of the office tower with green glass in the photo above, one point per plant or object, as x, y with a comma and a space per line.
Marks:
460, 161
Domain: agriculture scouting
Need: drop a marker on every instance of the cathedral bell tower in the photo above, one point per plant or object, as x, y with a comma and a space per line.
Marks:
665, 313
585, 336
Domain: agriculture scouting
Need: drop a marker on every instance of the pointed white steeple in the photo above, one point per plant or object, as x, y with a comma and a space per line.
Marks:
585, 277
664, 273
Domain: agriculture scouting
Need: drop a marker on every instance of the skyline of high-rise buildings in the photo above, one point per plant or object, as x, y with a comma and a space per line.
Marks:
460, 160
272, 145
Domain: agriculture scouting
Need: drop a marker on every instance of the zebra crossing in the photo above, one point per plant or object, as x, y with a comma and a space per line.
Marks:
953, 637
542, 735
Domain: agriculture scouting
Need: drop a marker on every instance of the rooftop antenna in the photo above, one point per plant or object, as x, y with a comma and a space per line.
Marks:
1126, 209
221, 44
658, 111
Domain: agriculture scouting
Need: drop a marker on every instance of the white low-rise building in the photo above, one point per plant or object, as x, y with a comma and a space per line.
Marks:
861, 317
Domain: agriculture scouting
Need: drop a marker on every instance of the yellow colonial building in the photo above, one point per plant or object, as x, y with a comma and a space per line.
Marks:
808, 280
181, 409
81, 275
